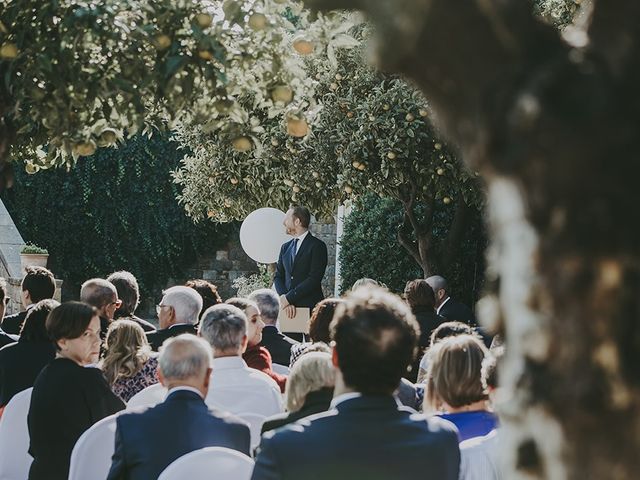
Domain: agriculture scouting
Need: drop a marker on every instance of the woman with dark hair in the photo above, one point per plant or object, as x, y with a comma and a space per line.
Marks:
70, 394
208, 291
422, 301
318, 327
21, 362
256, 356
129, 364
454, 389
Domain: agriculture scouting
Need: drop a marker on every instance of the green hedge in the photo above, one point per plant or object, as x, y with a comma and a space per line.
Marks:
369, 248
114, 210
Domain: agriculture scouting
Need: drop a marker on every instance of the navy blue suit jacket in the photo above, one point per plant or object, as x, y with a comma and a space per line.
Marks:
148, 441
301, 279
370, 438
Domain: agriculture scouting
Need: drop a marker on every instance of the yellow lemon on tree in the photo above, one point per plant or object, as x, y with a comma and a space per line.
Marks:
162, 41
8, 51
303, 47
257, 21
446, 200
85, 149
205, 54
282, 93
242, 144
297, 127
391, 155
204, 20
30, 168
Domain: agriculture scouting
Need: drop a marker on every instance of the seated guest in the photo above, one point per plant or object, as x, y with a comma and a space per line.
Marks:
444, 330
148, 441
235, 387
178, 313
366, 282
67, 398
318, 327
129, 294
20, 363
128, 365
454, 385
309, 390
421, 300
366, 435
5, 338
38, 284
479, 456
278, 345
256, 356
102, 295
208, 291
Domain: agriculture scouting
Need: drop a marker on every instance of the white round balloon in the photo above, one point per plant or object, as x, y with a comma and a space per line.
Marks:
262, 234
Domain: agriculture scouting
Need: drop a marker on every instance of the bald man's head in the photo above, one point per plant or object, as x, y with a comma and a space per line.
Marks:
440, 288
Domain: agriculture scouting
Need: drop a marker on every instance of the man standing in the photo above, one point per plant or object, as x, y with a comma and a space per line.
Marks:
279, 345
147, 442
103, 295
448, 307
178, 313
301, 264
37, 284
365, 434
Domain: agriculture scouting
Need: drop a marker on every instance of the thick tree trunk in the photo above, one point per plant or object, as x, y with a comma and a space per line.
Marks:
555, 130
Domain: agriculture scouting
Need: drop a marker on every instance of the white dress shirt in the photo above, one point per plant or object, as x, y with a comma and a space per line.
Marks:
479, 458
442, 305
237, 389
300, 240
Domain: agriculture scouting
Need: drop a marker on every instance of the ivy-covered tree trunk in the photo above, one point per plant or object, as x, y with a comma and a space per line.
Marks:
554, 127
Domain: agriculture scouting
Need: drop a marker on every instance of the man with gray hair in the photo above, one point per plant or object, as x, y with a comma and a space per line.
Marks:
178, 313
148, 441
279, 345
236, 388
103, 295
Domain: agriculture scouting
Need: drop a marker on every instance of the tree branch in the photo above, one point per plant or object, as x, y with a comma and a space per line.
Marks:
456, 232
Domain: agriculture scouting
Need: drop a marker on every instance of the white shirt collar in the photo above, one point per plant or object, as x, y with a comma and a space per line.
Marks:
225, 363
178, 324
343, 398
188, 389
442, 305
300, 240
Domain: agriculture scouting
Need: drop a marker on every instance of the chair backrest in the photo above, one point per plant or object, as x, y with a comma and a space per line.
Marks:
14, 438
280, 369
91, 455
147, 397
255, 422
211, 462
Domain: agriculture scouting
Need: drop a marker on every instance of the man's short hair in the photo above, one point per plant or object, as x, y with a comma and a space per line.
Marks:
375, 336
438, 283
224, 327
207, 290
185, 356
302, 214
98, 292
39, 282
128, 291
268, 303
186, 302
34, 328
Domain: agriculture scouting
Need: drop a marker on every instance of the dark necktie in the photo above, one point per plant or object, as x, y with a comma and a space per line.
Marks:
293, 250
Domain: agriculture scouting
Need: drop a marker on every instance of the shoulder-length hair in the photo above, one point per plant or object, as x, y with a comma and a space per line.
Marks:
454, 375
127, 350
313, 371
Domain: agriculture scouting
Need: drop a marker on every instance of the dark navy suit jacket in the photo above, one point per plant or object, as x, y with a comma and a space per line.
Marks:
366, 438
148, 441
301, 279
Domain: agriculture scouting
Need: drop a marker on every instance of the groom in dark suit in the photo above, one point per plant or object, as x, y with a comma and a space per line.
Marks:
301, 264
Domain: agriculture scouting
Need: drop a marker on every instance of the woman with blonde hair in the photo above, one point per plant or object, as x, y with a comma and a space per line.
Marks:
309, 389
454, 385
129, 364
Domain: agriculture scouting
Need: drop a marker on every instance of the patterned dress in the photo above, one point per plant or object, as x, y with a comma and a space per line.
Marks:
125, 388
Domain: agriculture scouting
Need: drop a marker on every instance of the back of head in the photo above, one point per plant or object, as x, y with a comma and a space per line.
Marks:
69, 320
207, 290
437, 283
321, 318
419, 294
310, 373
450, 329
375, 337
39, 282
302, 214
184, 357
225, 328
454, 374
98, 292
34, 328
127, 349
268, 304
128, 291
242, 303
186, 302
365, 283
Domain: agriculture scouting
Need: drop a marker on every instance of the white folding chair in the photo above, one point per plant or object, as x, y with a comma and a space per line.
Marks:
255, 422
211, 462
14, 438
91, 455
148, 397
279, 369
